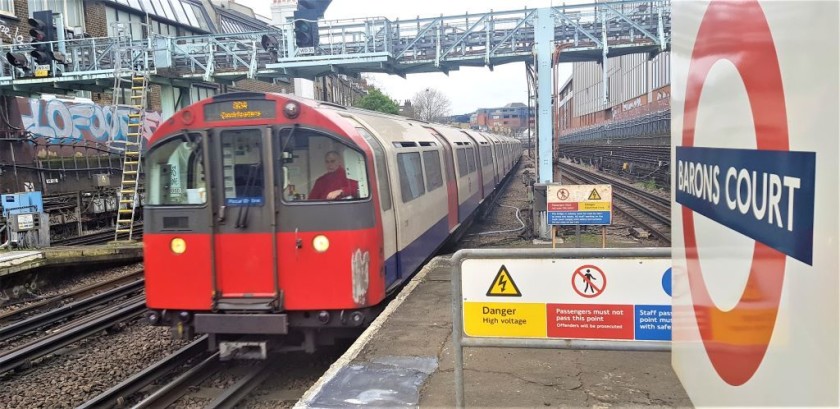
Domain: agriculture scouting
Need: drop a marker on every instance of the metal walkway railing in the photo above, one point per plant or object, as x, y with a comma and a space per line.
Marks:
372, 45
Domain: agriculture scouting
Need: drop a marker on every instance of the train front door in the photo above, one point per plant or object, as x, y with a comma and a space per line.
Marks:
244, 240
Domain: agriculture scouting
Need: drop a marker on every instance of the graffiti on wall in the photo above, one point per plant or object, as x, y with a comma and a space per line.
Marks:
6, 33
70, 122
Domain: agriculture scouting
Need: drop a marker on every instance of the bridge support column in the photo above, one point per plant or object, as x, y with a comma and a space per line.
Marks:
544, 36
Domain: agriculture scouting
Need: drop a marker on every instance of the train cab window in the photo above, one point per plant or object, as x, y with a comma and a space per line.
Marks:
411, 176
242, 168
317, 167
176, 172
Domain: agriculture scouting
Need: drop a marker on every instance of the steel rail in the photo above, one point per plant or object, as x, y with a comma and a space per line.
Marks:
44, 346
71, 295
174, 390
658, 200
117, 395
53, 316
640, 207
230, 397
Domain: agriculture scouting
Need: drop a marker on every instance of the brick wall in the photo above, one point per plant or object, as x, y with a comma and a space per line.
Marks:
96, 23
262, 86
18, 25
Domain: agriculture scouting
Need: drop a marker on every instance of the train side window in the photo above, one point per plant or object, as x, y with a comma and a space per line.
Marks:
176, 172
381, 168
431, 163
242, 167
471, 159
411, 176
463, 168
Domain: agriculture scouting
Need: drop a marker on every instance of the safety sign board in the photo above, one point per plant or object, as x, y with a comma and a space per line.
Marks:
607, 299
579, 204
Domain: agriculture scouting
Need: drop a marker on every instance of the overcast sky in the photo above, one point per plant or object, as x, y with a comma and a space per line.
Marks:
469, 88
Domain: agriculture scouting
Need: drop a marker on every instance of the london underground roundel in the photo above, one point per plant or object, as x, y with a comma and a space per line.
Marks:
762, 193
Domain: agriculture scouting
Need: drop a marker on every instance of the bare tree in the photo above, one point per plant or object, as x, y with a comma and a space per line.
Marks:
431, 105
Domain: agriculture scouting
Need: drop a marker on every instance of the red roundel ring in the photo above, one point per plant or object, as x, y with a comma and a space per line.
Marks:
738, 32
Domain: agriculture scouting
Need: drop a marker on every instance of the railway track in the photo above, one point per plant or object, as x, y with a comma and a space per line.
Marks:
98, 238
74, 295
206, 365
73, 332
648, 210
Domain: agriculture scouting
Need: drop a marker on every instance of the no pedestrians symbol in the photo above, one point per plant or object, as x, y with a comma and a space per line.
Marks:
589, 281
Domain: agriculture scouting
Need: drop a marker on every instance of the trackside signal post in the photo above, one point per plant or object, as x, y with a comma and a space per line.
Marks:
607, 299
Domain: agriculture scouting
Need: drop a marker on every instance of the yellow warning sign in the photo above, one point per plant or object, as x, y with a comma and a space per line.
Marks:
503, 285
594, 195
594, 206
526, 320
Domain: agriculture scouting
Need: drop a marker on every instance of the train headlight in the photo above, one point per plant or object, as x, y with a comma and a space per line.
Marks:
320, 243
178, 245
291, 110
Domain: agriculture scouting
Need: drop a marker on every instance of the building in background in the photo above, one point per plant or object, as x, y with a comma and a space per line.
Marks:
511, 119
637, 105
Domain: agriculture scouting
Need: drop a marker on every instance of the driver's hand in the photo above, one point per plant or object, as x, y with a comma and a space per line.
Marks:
334, 194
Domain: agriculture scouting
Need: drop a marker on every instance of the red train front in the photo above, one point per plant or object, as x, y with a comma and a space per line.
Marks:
240, 241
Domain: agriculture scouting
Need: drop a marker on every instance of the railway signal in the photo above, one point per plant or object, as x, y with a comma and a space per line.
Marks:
306, 28
43, 34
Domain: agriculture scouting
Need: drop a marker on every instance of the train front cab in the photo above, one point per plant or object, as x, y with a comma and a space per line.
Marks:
234, 243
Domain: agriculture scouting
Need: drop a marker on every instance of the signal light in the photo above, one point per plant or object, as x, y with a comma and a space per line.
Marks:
43, 34
306, 28
269, 43
41, 57
18, 60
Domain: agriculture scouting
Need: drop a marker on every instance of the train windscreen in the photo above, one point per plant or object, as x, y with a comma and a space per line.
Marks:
176, 172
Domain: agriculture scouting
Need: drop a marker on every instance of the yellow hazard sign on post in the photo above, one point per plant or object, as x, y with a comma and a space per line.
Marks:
503, 285
594, 195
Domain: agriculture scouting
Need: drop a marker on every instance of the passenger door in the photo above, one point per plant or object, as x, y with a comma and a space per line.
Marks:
386, 204
451, 185
244, 238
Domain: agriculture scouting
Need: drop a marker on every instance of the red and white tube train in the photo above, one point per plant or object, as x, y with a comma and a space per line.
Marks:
273, 222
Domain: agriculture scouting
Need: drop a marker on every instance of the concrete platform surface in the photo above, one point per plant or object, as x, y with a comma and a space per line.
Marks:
12, 262
406, 359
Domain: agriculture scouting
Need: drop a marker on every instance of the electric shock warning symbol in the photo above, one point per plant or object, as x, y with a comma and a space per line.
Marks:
503, 285
589, 281
594, 195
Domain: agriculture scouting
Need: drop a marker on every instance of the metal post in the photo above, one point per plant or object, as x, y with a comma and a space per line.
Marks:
79, 211
544, 33
604, 80
457, 332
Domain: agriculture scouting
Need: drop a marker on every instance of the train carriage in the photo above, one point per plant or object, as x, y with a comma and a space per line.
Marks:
274, 222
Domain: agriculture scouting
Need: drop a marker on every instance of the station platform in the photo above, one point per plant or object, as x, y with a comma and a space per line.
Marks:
13, 262
406, 358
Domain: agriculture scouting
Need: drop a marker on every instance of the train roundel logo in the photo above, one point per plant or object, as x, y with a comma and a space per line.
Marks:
748, 45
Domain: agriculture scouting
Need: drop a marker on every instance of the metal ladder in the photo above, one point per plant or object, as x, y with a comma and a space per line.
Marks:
136, 78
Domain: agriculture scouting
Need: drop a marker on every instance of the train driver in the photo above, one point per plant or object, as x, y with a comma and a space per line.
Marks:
334, 184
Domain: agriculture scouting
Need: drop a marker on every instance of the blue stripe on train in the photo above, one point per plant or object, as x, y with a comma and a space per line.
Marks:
465, 209
415, 252
488, 187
